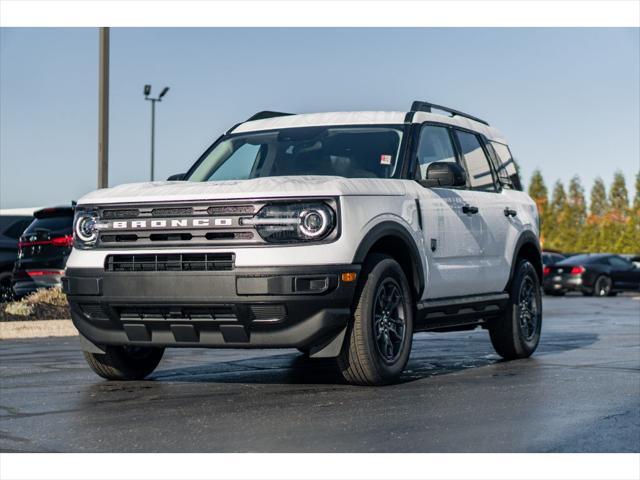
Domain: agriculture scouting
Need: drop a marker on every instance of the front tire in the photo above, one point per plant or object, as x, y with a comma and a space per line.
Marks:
124, 363
378, 340
516, 334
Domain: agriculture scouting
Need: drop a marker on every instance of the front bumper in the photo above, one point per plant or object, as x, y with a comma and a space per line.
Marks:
243, 308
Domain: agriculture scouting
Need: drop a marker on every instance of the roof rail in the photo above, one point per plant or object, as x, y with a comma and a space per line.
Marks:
419, 106
267, 114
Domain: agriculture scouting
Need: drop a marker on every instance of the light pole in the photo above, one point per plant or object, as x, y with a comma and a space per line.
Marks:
103, 110
147, 92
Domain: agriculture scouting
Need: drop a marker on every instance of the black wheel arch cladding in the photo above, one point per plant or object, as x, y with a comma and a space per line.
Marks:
527, 248
388, 238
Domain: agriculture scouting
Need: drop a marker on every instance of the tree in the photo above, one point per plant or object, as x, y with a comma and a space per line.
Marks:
635, 207
558, 197
614, 222
599, 204
555, 215
538, 192
618, 196
629, 241
573, 216
591, 237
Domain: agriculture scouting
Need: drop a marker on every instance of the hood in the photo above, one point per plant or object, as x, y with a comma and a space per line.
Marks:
269, 187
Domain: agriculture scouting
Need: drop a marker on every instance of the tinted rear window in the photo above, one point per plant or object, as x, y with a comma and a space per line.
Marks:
51, 224
584, 259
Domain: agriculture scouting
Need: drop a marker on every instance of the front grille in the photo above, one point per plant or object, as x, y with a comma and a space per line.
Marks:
177, 237
178, 211
172, 313
231, 210
172, 212
120, 213
176, 262
178, 225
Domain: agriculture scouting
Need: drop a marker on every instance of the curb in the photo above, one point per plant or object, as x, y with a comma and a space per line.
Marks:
37, 329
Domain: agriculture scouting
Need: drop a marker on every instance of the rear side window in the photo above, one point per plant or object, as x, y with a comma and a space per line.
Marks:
12, 227
434, 146
62, 225
16, 229
506, 167
618, 262
478, 168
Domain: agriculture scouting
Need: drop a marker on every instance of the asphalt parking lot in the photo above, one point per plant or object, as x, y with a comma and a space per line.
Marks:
580, 392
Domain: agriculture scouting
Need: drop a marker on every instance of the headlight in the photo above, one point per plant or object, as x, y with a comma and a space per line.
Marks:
85, 228
294, 222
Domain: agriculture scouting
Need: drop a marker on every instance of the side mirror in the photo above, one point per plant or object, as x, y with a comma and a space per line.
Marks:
444, 174
176, 177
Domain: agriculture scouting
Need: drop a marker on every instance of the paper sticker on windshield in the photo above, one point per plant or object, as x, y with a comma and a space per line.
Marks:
385, 159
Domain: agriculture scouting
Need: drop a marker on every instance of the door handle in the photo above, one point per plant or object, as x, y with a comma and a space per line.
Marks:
469, 209
508, 212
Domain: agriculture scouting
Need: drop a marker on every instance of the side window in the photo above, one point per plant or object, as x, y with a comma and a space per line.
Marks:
620, 263
478, 169
434, 146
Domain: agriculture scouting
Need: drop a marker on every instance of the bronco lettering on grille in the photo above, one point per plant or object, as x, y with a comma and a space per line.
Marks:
172, 223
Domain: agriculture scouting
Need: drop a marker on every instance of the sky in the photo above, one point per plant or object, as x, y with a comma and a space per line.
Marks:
567, 99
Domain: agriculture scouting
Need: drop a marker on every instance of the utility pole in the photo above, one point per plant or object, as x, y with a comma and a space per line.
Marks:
103, 110
147, 92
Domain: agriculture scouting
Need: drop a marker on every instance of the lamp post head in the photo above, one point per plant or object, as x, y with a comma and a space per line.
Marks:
163, 92
147, 90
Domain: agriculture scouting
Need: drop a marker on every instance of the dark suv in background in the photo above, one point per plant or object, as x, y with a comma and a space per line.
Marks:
43, 250
11, 227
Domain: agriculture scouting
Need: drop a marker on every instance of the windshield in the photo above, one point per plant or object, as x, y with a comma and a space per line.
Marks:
352, 152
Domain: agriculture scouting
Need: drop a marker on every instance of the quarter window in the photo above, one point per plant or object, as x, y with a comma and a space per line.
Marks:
434, 146
506, 167
478, 168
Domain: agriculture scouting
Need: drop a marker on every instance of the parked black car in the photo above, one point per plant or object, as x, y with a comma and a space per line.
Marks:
595, 274
11, 227
43, 250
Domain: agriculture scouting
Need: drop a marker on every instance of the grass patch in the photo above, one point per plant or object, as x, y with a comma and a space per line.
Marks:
43, 304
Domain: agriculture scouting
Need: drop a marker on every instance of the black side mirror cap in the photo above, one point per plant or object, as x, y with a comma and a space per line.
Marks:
444, 174
177, 177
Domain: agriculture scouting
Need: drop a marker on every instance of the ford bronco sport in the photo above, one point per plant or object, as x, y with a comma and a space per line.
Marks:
339, 234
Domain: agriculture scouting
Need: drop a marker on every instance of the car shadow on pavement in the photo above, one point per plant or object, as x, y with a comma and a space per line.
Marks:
432, 355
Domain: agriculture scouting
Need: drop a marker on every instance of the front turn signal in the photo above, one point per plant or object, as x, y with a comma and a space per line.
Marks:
348, 277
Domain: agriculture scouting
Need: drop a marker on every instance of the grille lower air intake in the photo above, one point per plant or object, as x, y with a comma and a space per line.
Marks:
176, 262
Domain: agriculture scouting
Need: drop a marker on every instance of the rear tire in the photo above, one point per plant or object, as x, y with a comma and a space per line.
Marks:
516, 334
125, 363
6, 290
602, 286
378, 340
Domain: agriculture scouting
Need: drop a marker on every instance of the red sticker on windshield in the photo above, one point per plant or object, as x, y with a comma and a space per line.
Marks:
385, 159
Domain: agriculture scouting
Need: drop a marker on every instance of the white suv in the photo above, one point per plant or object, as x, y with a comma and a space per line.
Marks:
340, 234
